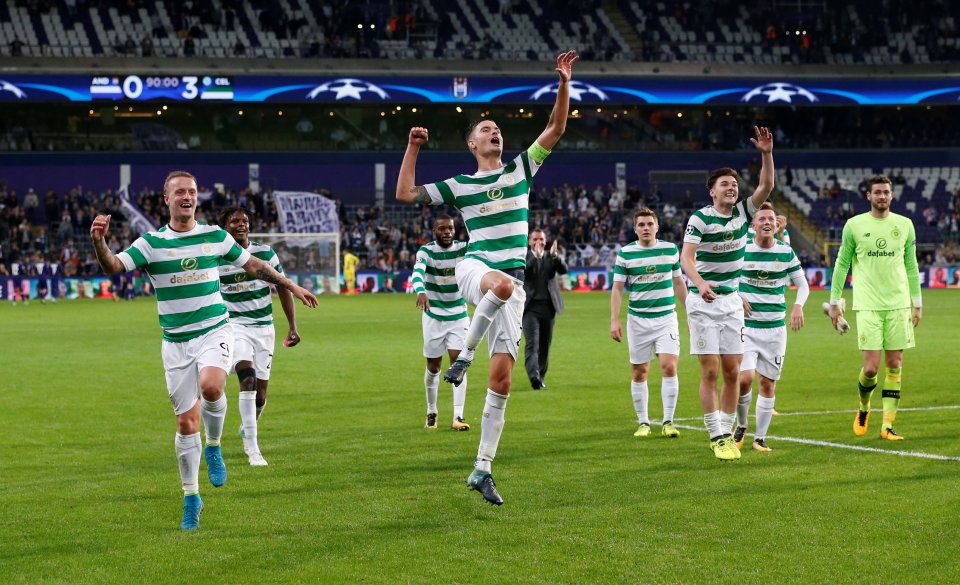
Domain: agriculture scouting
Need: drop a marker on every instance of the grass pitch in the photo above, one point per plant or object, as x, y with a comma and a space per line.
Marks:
358, 491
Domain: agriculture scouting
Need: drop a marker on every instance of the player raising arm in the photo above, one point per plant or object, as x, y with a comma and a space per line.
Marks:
181, 259
494, 203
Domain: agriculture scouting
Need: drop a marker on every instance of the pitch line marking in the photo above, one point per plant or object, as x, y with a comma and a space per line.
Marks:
821, 412
917, 454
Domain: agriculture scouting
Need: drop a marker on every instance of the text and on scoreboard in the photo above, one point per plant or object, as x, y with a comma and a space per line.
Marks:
480, 89
185, 87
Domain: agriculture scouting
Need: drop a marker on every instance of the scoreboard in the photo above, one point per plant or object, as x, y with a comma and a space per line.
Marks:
482, 89
140, 88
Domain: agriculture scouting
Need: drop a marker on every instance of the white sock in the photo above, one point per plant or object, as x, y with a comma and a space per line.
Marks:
431, 382
214, 414
641, 395
743, 409
491, 426
726, 422
669, 391
486, 311
764, 415
459, 398
188, 457
711, 420
248, 417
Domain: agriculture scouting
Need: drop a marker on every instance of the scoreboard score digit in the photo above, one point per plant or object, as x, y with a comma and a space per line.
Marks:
145, 88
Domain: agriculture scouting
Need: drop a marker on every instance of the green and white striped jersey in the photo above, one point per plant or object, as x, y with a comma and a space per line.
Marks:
434, 275
766, 271
648, 275
248, 299
183, 270
494, 206
720, 241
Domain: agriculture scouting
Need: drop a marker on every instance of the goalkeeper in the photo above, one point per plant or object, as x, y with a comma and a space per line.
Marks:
881, 248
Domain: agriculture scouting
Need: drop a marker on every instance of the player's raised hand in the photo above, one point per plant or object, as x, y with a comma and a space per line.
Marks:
100, 227
616, 332
292, 338
419, 136
305, 296
764, 140
565, 63
423, 303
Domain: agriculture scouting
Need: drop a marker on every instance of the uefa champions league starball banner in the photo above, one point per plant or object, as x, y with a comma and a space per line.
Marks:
480, 89
302, 212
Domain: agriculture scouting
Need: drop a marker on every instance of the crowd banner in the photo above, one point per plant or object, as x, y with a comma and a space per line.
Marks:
139, 223
302, 212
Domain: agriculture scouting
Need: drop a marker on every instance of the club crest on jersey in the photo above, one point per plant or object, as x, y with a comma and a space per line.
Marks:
701, 343
495, 194
207, 249
509, 180
189, 264
895, 234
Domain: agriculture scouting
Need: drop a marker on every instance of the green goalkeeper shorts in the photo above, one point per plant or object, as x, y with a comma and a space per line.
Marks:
878, 330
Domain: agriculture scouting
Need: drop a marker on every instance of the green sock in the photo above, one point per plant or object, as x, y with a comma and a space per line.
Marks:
866, 390
891, 396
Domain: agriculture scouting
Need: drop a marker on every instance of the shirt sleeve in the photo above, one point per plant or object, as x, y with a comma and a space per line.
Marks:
233, 253
675, 272
136, 256
419, 269
442, 192
842, 266
620, 269
694, 232
910, 263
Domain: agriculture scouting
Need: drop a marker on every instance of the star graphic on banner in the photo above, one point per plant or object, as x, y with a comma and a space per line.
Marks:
779, 92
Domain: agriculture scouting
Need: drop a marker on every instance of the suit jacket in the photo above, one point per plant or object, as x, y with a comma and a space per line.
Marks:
544, 270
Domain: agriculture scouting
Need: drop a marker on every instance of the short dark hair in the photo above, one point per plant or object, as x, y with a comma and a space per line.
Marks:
646, 212
876, 180
473, 125
441, 217
226, 213
722, 172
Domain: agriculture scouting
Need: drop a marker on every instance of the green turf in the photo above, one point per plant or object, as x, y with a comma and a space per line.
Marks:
358, 491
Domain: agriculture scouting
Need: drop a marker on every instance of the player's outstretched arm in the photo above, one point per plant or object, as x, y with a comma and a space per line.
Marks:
260, 270
407, 189
107, 259
764, 143
557, 124
290, 312
616, 299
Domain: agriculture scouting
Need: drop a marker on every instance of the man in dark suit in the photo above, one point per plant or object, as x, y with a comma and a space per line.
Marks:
543, 304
